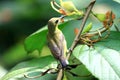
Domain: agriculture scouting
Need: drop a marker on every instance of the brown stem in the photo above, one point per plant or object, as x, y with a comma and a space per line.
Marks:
81, 28
89, 8
60, 74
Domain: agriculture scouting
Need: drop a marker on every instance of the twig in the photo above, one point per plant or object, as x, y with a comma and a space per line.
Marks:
81, 28
42, 74
89, 8
60, 74
116, 28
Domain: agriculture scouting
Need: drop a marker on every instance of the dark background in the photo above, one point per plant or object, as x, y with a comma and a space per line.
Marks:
19, 19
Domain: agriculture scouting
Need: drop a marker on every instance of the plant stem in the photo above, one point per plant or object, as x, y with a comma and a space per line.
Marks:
89, 8
60, 74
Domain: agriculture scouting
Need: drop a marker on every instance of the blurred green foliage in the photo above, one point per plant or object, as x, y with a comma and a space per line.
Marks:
18, 19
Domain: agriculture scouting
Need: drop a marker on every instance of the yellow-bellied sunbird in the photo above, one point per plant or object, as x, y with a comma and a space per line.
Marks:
56, 41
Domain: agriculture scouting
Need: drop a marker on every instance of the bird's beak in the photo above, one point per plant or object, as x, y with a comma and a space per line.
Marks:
62, 18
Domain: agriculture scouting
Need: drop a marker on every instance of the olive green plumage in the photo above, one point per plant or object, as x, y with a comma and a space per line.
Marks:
56, 41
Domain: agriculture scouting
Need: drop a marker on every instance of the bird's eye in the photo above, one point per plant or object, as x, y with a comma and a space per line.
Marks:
56, 21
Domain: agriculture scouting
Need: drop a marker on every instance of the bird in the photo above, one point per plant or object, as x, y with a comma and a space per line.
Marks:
56, 41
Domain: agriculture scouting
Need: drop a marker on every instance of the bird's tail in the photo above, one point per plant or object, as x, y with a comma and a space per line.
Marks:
64, 62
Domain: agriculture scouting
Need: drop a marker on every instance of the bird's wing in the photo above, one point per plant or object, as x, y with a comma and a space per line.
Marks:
56, 44
60, 43
53, 46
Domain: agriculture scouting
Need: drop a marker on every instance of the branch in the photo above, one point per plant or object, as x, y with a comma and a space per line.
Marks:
60, 74
89, 8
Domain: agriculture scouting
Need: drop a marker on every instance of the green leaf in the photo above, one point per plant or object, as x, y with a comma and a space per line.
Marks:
81, 71
68, 31
103, 59
101, 62
100, 17
10, 58
36, 41
112, 42
32, 68
87, 28
117, 1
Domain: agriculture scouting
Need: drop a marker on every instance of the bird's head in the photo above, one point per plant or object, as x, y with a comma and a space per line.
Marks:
53, 23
